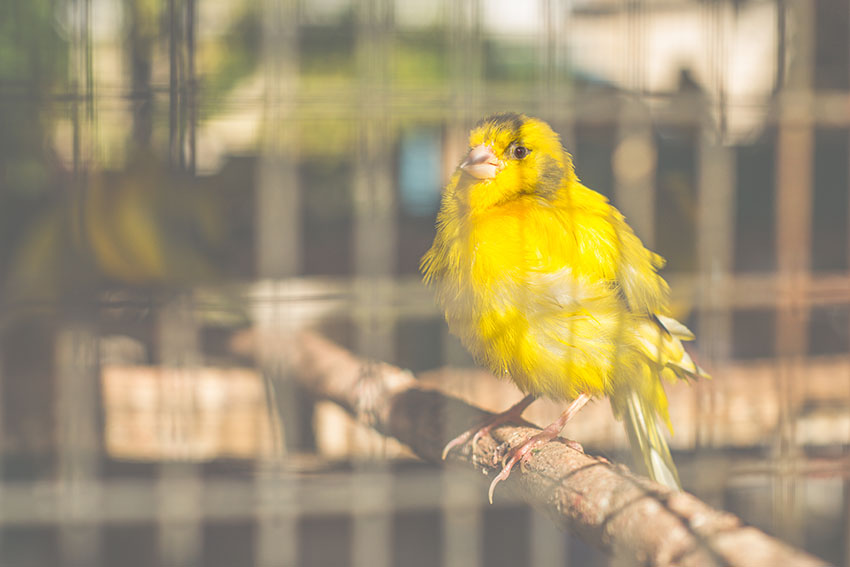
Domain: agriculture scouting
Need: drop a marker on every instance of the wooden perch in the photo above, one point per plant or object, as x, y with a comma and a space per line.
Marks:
604, 504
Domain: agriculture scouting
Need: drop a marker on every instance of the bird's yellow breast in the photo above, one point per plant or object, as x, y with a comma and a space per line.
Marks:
508, 241
516, 293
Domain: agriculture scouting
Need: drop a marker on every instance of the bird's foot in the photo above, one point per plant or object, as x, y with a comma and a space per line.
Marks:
520, 455
503, 450
485, 427
523, 453
476, 433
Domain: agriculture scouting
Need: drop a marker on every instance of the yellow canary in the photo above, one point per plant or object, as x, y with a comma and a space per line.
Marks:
545, 283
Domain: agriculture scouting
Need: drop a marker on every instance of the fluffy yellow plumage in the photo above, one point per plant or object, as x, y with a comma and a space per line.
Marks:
544, 282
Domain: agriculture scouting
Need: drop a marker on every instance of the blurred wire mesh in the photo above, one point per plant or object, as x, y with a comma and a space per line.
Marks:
183, 183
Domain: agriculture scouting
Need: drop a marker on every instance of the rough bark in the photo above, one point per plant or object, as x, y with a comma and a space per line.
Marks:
604, 504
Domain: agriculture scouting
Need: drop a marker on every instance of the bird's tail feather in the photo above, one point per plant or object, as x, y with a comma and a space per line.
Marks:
648, 443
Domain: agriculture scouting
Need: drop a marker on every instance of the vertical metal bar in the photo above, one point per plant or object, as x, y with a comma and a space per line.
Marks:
846, 519
463, 28
546, 56
634, 163
462, 518
82, 84
465, 63
190, 84
89, 59
75, 91
181, 50
634, 158
277, 204
372, 507
179, 513
78, 445
276, 516
278, 507
179, 484
848, 222
180, 40
713, 30
374, 253
548, 543
632, 20
715, 231
140, 46
781, 44
173, 82
800, 75
846, 483
278, 257
374, 190
276, 488
793, 220
794, 207
721, 19
77, 437
553, 91
277, 210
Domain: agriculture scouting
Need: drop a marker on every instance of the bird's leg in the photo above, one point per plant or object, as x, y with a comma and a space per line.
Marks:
522, 453
512, 413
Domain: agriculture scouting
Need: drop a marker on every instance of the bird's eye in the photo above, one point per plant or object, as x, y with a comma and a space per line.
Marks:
520, 152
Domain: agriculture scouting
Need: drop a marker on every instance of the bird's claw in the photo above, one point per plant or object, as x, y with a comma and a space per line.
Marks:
519, 455
487, 425
457, 442
522, 454
501, 452
503, 474
461, 439
479, 434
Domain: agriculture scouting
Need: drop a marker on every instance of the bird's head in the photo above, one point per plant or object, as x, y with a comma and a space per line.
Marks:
512, 155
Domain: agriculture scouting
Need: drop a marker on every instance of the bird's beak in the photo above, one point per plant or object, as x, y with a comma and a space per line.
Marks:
481, 163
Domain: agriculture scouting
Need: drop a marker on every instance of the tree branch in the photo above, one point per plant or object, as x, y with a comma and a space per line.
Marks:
604, 504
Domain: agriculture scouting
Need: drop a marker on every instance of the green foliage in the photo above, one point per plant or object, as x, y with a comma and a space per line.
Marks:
510, 61
33, 62
33, 55
225, 63
420, 58
327, 51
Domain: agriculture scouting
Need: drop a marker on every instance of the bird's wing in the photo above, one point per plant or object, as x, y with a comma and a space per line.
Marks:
607, 248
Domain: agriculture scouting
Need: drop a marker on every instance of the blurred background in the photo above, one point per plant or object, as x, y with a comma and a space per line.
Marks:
184, 182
